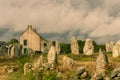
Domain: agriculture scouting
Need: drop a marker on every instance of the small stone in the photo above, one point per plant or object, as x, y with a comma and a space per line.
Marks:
84, 75
80, 70
115, 73
116, 78
107, 78
97, 76
118, 74
27, 68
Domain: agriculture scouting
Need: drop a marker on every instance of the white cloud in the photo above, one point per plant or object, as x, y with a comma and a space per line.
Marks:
98, 18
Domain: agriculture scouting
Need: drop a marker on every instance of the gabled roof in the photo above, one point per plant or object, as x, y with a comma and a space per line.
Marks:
30, 27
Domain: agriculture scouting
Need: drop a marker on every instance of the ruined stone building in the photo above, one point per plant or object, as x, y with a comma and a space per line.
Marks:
31, 39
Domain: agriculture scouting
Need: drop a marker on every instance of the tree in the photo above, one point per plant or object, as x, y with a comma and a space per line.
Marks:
81, 45
13, 41
65, 48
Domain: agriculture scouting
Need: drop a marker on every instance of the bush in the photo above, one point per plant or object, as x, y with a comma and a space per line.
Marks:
22, 60
81, 45
12, 41
65, 48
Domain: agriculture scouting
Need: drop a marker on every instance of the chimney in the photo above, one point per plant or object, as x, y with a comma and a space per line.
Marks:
29, 27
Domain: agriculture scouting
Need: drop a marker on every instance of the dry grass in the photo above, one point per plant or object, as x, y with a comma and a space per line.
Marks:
89, 62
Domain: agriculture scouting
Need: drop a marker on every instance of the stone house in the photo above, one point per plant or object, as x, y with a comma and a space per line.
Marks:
31, 39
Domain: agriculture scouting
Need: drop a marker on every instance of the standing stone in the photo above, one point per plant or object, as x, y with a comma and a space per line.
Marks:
109, 46
57, 46
52, 56
88, 48
102, 62
16, 50
50, 43
101, 66
116, 51
9, 50
74, 46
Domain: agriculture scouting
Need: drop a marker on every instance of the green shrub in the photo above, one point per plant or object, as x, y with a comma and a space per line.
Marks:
65, 48
22, 60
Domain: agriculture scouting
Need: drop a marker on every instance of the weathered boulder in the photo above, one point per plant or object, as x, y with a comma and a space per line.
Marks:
57, 46
80, 70
27, 68
88, 47
68, 62
30, 51
109, 46
81, 74
39, 62
52, 56
115, 74
74, 46
10, 69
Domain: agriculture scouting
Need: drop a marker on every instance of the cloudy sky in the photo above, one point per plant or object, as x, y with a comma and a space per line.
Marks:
62, 19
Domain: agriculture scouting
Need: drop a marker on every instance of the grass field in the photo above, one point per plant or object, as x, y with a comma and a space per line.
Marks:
81, 60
